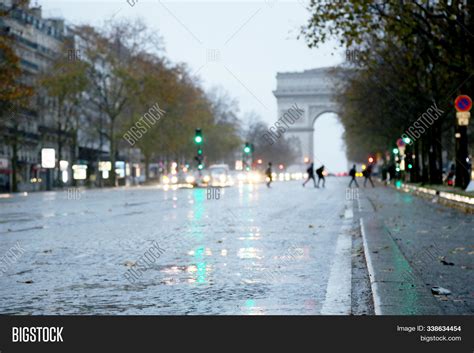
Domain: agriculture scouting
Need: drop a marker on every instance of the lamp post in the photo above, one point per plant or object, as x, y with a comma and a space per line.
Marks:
463, 167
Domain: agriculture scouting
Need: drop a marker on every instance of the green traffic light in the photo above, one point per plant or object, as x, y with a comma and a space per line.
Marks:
199, 152
198, 139
200, 166
410, 166
247, 149
406, 140
395, 151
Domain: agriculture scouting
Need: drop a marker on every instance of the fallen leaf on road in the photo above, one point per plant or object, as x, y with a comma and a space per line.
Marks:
440, 291
129, 263
447, 263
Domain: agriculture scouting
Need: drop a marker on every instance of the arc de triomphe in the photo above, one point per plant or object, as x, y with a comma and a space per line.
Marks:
312, 91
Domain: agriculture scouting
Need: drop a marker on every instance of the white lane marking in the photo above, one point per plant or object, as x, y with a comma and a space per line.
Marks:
338, 291
370, 269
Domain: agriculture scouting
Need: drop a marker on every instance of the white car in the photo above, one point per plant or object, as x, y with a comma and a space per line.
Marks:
219, 175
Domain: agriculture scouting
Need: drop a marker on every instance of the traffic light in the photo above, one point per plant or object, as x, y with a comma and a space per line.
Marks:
247, 148
198, 137
395, 151
198, 141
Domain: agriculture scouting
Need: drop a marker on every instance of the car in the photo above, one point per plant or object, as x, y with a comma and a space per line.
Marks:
219, 175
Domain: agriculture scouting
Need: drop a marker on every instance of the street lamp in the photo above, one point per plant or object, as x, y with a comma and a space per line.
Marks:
463, 169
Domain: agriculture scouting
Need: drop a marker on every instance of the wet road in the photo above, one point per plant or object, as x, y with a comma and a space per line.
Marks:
285, 250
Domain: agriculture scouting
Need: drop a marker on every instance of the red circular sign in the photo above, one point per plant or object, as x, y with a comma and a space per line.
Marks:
400, 143
463, 103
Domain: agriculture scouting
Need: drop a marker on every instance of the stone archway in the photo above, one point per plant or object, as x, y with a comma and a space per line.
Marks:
312, 92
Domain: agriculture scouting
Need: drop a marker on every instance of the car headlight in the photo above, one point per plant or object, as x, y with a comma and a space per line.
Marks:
190, 179
206, 178
174, 179
166, 180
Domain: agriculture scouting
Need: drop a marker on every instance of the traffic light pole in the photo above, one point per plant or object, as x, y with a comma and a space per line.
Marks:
463, 170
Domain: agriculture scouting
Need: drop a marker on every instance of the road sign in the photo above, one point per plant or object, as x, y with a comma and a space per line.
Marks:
463, 118
463, 103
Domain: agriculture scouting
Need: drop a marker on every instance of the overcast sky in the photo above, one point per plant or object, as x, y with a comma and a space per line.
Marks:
238, 45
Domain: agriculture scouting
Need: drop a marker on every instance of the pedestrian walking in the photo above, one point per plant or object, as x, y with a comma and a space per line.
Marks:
320, 174
268, 173
310, 172
352, 173
367, 173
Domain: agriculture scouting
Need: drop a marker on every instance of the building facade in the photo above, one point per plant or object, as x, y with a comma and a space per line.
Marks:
39, 42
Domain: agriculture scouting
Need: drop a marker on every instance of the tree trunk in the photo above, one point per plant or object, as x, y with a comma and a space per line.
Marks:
147, 167
424, 161
60, 150
416, 162
113, 178
434, 153
14, 186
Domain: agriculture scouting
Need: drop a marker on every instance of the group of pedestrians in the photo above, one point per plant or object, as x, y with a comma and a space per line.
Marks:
366, 173
319, 173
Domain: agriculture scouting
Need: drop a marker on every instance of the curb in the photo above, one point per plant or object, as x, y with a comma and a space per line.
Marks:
370, 269
459, 202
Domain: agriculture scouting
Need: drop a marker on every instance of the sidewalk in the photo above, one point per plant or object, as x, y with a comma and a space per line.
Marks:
445, 195
412, 245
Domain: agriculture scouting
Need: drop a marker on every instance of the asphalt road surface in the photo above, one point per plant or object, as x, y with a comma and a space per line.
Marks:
284, 250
